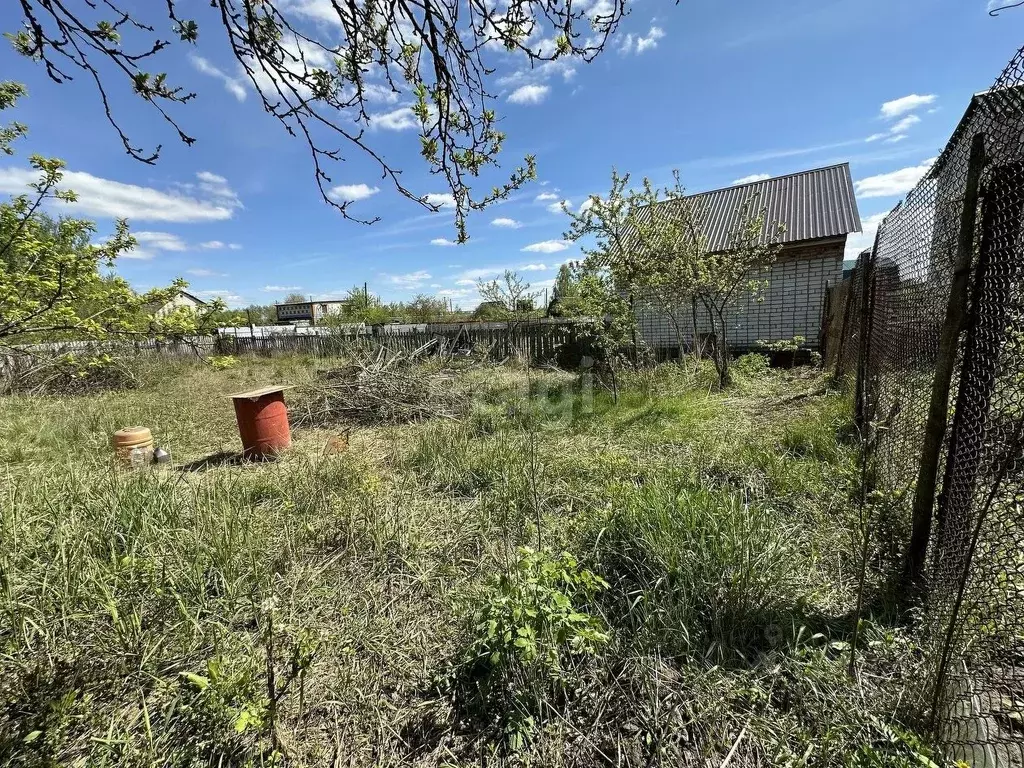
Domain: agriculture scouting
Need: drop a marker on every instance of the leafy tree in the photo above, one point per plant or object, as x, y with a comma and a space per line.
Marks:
425, 309
509, 295
652, 243
364, 307
563, 292
606, 320
260, 314
721, 275
50, 281
325, 70
648, 252
294, 298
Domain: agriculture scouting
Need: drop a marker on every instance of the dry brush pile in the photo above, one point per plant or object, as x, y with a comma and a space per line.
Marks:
383, 387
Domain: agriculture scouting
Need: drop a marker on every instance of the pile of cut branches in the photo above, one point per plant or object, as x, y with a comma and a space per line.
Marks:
384, 387
28, 372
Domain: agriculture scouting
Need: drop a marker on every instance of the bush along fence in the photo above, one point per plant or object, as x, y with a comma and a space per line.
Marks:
933, 331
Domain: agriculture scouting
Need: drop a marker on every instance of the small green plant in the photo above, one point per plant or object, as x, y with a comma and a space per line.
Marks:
752, 365
530, 623
223, 362
534, 614
784, 345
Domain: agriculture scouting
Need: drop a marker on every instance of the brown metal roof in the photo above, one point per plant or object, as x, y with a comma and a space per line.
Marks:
812, 204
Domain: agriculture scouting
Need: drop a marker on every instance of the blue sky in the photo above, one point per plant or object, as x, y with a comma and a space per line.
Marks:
722, 91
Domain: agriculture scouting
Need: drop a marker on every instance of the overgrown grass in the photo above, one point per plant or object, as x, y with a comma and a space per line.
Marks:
333, 608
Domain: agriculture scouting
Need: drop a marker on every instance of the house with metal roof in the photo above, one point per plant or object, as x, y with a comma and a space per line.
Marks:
818, 210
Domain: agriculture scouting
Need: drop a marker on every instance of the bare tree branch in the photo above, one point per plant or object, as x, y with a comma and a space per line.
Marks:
434, 59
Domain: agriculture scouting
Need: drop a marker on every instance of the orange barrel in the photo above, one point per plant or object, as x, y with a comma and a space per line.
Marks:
262, 422
128, 439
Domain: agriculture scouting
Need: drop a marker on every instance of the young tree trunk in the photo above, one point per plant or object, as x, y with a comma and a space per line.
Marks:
680, 339
722, 350
697, 350
719, 352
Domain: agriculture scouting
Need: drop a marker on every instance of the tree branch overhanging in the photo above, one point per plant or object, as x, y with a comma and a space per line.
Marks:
430, 60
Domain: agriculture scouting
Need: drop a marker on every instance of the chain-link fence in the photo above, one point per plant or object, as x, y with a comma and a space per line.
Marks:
934, 318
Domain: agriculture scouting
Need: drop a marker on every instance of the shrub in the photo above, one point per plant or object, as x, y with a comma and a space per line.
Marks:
783, 345
752, 365
223, 362
530, 624
71, 374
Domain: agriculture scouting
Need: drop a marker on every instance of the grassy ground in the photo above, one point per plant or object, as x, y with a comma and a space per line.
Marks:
407, 601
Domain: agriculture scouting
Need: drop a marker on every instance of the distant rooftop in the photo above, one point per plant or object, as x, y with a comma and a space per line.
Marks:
813, 204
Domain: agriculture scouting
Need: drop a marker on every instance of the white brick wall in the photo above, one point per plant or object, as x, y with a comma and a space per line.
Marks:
789, 306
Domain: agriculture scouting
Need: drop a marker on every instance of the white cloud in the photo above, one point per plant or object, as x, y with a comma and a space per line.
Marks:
529, 94
401, 119
858, 241
228, 297
105, 198
281, 288
352, 192
654, 34
557, 207
214, 186
137, 253
587, 204
410, 280
543, 196
904, 124
638, 43
379, 93
161, 241
234, 85
894, 183
901, 106
470, 276
547, 246
752, 178
440, 199
216, 245
506, 223
539, 74
898, 111
534, 268
203, 272
442, 241
456, 293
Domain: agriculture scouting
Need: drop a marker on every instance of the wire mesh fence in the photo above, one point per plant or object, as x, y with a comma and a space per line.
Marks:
934, 319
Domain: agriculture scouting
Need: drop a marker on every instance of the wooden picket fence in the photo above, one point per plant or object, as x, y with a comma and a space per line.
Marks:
537, 341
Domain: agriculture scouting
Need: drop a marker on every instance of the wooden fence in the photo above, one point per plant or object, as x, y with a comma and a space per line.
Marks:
539, 341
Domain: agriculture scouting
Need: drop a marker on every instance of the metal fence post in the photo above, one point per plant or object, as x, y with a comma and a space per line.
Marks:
864, 352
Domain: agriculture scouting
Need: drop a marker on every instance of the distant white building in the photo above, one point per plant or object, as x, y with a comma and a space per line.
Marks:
179, 300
